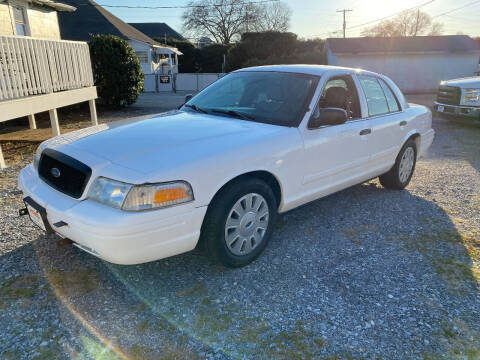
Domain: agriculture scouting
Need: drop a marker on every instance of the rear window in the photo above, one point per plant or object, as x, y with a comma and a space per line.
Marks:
391, 99
376, 100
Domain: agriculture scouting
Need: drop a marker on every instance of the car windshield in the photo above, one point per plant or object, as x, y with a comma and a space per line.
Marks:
278, 98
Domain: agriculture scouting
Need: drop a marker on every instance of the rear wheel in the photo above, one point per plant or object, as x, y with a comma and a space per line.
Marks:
401, 173
239, 222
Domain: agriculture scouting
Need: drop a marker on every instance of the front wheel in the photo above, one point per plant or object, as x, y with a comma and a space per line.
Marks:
401, 173
239, 222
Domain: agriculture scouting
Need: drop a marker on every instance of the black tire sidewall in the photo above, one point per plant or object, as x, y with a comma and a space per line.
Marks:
217, 217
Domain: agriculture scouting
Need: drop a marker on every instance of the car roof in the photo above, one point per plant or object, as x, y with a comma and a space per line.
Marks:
318, 70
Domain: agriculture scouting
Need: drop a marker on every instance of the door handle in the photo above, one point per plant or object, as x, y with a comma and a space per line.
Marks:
366, 131
403, 123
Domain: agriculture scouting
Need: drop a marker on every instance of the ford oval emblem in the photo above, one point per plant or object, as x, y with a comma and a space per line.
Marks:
55, 172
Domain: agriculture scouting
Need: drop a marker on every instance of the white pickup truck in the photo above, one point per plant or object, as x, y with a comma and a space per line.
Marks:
258, 142
459, 97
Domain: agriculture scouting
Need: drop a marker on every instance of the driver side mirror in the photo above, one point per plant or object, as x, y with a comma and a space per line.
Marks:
327, 116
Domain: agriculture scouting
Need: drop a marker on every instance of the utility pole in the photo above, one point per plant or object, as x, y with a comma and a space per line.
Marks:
344, 11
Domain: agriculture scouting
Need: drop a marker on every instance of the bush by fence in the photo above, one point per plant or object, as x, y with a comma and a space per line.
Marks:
116, 70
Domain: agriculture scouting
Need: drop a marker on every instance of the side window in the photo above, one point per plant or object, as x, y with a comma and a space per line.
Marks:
20, 22
376, 101
391, 99
340, 92
142, 56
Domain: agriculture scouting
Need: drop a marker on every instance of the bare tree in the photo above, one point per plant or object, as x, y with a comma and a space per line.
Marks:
226, 20
407, 23
272, 17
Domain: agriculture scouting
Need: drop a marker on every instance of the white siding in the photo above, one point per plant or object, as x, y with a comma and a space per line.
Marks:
413, 72
43, 23
139, 46
6, 27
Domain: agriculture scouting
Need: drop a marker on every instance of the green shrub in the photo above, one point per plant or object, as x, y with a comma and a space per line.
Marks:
116, 70
273, 48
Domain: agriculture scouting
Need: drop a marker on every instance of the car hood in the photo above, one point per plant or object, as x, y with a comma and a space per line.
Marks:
167, 139
468, 82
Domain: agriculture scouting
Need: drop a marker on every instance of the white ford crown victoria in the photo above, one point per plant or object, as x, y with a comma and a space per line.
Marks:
216, 172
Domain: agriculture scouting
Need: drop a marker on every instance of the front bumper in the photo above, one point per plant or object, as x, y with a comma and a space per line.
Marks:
469, 111
114, 235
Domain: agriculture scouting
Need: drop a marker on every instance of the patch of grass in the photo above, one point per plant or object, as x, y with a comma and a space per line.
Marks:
195, 290
473, 354
453, 271
74, 282
20, 287
140, 306
143, 326
12, 354
138, 352
462, 266
97, 351
48, 354
296, 343
169, 352
356, 232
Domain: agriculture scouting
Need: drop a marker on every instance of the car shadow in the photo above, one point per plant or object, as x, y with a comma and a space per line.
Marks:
365, 272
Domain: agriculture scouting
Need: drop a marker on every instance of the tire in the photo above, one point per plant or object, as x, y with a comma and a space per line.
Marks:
226, 208
397, 178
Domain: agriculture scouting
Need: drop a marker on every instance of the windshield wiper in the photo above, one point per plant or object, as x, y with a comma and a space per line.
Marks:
234, 113
194, 107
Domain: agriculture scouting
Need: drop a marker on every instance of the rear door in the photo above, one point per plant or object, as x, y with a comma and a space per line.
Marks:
385, 121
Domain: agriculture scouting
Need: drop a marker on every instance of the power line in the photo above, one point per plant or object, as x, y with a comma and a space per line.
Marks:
379, 19
459, 8
388, 16
344, 11
178, 7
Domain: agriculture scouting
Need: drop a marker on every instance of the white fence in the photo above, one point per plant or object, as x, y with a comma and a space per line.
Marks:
195, 82
30, 66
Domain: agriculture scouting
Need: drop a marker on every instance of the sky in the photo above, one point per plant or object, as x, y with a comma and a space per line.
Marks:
319, 18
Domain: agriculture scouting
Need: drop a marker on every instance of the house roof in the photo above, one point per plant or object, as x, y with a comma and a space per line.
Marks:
92, 19
414, 44
158, 30
53, 4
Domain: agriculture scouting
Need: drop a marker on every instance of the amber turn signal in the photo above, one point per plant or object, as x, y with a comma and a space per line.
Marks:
169, 194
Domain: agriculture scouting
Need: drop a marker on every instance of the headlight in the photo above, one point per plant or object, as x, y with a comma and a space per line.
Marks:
154, 196
109, 192
139, 197
471, 96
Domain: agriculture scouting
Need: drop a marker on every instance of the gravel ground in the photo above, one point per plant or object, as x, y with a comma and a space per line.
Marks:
367, 273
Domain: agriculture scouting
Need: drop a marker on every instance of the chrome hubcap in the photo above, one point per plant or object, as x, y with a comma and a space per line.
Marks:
406, 164
246, 224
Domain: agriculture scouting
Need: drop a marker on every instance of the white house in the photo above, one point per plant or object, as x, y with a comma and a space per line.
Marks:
38, 71
416, 64
159, 62
36, 18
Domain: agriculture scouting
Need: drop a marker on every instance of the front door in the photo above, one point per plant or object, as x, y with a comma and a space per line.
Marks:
336, 156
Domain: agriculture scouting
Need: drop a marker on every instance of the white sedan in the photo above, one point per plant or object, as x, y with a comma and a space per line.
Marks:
216, 172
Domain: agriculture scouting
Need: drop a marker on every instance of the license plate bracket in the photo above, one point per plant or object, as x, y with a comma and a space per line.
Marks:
37, 214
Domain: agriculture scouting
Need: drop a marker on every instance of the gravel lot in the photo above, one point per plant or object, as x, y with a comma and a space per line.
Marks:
367, 273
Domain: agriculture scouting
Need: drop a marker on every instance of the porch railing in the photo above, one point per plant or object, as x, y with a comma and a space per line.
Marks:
30, 66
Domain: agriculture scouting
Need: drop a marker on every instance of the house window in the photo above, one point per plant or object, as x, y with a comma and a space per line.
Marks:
20, 20
142, 56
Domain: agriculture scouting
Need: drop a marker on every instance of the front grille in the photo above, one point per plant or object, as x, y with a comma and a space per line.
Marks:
449, 95
64, 173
